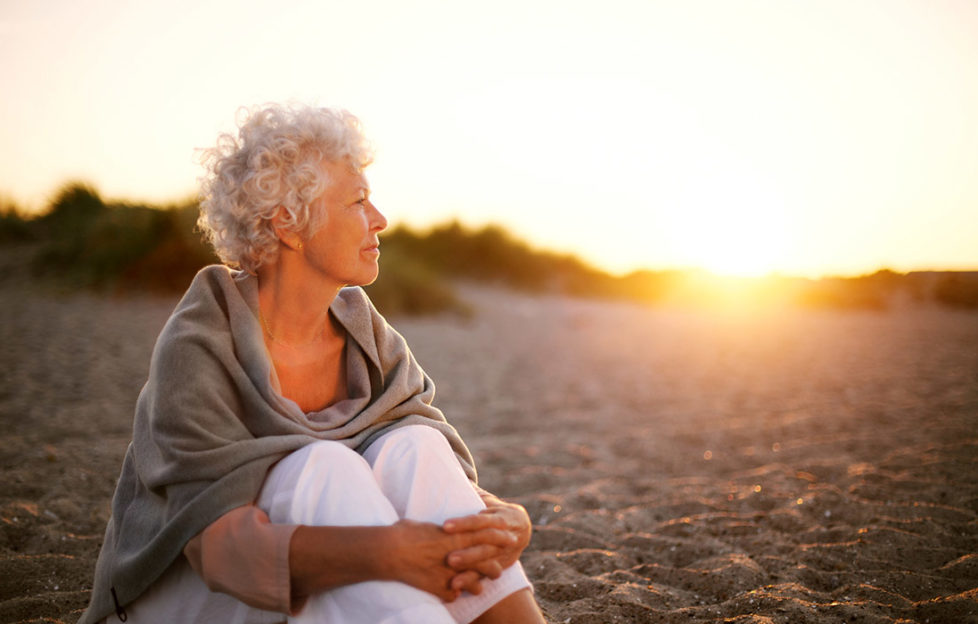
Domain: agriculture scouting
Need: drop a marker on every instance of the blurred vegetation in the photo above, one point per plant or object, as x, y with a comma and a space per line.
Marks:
956, 289
82, 241
407, 286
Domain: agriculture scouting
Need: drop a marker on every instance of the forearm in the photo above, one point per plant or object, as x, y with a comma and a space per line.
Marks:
276, 567
257, 575
410, 552
321, 558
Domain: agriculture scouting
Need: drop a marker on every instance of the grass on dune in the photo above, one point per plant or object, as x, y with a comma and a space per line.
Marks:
83, 241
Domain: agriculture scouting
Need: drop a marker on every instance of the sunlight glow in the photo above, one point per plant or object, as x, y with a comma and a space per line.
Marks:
738, 137
730, 227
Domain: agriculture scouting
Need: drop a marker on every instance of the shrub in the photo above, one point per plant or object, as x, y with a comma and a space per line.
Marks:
85, 241
957, 289
14, 226
407, 286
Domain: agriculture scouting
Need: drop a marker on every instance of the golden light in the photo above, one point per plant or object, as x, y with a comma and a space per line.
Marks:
732, 225
807, 139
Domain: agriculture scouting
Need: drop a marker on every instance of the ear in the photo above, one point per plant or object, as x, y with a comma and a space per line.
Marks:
289, 238
286, 236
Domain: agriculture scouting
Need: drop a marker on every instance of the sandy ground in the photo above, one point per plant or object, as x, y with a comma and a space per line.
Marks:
800, 466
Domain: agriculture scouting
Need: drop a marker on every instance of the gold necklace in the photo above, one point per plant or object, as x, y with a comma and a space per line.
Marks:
264, 324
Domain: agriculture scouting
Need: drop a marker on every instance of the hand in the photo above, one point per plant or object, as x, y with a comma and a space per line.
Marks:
488, 559
417, 554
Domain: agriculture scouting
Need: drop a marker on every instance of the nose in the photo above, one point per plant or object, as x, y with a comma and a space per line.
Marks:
378, 222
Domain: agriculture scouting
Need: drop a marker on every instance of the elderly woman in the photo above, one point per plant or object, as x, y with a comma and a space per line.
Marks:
287, 463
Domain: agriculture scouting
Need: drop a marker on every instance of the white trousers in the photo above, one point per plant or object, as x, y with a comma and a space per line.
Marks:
409, 473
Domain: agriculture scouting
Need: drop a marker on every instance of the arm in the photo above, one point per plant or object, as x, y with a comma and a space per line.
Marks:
257, 575
284, 564
415, 553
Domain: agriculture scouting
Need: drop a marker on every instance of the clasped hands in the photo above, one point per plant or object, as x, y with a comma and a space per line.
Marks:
458, 555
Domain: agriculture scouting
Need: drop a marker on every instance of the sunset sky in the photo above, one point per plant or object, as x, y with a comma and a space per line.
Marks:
807, 138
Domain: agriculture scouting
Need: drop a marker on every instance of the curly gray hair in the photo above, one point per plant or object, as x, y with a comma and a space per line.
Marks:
272, 169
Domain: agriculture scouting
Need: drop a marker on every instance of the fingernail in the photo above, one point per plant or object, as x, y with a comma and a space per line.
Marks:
449, 526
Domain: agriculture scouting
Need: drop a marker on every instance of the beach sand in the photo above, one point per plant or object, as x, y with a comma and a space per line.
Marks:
679, 466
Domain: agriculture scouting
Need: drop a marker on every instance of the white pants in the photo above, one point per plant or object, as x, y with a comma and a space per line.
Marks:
408, 473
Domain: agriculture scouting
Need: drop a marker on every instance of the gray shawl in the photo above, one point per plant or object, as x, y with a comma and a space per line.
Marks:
209, 424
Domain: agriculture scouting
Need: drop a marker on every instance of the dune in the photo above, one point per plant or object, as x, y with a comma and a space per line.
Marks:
781, 466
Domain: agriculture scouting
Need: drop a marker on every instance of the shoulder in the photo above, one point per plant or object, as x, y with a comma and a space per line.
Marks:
214, 280
198, 353
213, 288
202, 314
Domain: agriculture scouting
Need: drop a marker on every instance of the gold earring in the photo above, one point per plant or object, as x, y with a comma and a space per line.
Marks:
300, 245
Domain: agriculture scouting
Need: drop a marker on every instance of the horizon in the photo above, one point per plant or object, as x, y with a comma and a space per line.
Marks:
474, 227
834, 139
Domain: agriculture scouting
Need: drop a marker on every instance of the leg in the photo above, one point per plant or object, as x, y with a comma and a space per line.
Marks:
518, 607
418, 473
327, 484
421, 477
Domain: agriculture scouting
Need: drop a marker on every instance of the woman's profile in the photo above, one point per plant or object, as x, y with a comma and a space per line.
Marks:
287, 463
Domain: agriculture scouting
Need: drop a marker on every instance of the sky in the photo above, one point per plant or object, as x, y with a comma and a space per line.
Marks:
743, 137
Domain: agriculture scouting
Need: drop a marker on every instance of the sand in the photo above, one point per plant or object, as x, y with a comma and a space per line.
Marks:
679, 466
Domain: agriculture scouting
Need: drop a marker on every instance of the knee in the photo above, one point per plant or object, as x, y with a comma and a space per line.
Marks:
325, 462
419, 473
329, 453
410, 449
320, 459
319, 479
414, 439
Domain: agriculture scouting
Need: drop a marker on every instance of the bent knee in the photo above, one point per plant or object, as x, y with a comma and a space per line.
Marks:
413, 439
317, 458
328, 452
318, 479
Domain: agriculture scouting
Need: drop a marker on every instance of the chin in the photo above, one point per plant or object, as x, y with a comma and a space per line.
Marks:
365, 280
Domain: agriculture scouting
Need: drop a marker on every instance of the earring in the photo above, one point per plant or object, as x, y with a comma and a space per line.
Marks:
300, 246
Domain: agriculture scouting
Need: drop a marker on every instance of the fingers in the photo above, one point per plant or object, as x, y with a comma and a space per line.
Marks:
487, 550
470, 558
448, 594
490, 569
497, 539
475, 522
419, 554
470, 581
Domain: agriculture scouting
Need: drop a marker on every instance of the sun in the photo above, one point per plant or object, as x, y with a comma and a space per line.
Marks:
734, 243
736, 229
739, 245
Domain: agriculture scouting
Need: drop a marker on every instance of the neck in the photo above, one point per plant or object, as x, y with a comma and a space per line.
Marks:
294, 306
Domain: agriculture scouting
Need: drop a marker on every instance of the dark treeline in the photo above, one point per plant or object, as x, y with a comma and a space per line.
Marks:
83, 241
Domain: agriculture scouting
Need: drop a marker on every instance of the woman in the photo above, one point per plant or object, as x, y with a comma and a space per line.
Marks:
286, 460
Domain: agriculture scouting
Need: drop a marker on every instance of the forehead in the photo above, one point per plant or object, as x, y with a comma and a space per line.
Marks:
344, 177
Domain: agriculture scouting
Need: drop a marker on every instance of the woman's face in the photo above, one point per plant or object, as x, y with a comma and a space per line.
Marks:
344, 249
